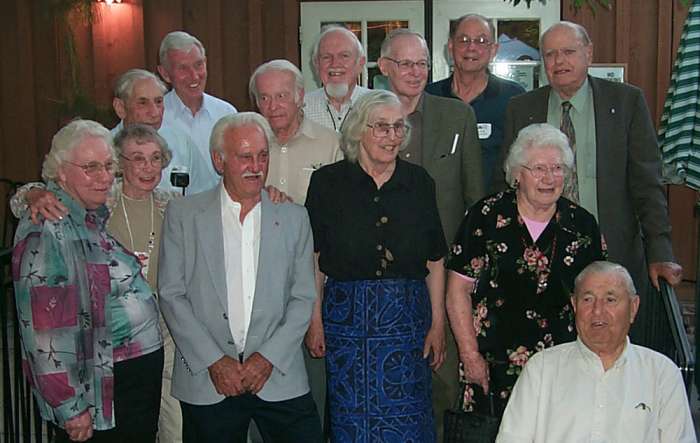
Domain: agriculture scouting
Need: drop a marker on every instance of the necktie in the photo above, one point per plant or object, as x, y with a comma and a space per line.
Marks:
567, 127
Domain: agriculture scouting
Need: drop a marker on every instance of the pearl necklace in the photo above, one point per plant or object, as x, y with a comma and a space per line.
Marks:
151, 238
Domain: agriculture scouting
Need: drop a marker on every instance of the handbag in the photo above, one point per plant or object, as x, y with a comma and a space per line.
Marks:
471, 427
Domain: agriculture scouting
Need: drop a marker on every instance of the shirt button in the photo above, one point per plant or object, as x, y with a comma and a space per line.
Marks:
284, 149
376, 199
379, 247
384, 219
408, 155
283, 181
378, 273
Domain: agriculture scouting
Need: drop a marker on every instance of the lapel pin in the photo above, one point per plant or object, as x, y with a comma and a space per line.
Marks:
277, 223
612, 110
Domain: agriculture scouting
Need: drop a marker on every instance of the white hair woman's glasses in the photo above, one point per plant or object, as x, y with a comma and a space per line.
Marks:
540, 171
381, 130
140, 161
93, 169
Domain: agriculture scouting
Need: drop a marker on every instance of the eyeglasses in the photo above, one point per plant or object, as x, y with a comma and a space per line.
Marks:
141, 161
93, 169
407, 65
540, 171
381, 130
465, 41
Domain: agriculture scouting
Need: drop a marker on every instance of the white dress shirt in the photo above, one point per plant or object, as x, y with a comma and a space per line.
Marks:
197, 126
185, 157
319, 109
241, 250
565, 395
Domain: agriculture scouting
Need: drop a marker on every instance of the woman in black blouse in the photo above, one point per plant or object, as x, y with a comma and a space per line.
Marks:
512, 267
379, 247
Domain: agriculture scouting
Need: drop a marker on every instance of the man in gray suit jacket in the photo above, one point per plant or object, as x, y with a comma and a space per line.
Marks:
617, 158
236, 286
444, 141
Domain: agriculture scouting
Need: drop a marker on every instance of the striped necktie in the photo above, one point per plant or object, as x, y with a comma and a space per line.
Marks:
567, 127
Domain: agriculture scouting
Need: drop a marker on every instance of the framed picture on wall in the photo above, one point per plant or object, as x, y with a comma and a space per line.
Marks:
616, 72
524, 72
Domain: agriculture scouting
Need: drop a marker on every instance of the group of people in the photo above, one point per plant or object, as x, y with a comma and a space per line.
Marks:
306, 280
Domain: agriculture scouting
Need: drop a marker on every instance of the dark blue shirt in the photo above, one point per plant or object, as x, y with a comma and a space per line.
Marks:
490, 110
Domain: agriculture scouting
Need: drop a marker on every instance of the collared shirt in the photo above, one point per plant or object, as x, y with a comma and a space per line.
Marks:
490, 110
318, 108
413, 153
186, 157
241, 250
106, 312
365, 233
292, 163
197, 126
564, 394
583, 118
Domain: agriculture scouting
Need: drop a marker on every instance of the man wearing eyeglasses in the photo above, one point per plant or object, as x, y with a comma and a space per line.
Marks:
338, 59
617, 169
472, 45
444, 142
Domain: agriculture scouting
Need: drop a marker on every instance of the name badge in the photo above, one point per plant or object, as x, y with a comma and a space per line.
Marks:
484, 130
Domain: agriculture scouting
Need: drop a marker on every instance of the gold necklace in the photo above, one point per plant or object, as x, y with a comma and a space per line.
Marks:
152, 236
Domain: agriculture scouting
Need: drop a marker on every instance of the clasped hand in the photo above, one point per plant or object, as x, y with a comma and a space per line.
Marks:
231, 378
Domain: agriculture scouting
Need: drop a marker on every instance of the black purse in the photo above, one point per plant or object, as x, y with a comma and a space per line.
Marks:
471, 427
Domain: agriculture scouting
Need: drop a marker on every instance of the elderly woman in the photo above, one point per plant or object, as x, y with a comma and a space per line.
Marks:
513, 264
136, 207
379, 247
91, 342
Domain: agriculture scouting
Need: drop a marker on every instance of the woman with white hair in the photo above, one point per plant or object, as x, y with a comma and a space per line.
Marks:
379, 248
512, 267
89, 321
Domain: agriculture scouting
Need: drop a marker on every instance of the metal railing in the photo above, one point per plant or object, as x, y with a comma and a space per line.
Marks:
677, 346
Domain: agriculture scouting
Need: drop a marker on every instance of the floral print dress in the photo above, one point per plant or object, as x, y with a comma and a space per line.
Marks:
522, 287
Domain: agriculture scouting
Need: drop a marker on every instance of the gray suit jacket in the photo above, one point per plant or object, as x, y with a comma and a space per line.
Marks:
193, 297
632, 209
457, 175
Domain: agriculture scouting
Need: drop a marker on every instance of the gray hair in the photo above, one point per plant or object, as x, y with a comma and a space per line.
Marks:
386, 48
607, 267
580, 31
238, 120
536, 136
357, 119
328, 29
177, 40
278, 65
67, 139
454, 25
142, 134
124, 85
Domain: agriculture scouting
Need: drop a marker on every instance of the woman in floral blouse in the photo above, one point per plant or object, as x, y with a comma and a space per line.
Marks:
513, 264
91, 342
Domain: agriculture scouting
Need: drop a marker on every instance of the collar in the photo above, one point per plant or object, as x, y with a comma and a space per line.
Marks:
401, 178
95, 217
353, 97
181, 108
592, 358
420, 107
230, 204
578, 101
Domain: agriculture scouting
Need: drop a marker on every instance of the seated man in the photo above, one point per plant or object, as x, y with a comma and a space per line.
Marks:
600, 387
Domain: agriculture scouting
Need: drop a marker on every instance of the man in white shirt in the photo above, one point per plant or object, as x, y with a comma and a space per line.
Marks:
600, 388
338, 59
183, 64
300, 145
138, 98
236, 285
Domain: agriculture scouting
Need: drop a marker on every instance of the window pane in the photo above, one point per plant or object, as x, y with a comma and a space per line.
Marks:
355, 27
518, 40
376, 32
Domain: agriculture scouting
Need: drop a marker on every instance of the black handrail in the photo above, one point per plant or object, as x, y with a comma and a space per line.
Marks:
21, 421
680, 352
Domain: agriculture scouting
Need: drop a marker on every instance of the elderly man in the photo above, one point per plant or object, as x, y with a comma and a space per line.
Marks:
472, 45
183, 64
338, 58
300, 145
443, 141
600, 387
236, 285
617, 169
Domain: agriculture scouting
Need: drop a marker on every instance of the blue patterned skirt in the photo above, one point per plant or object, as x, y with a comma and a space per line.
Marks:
379, 385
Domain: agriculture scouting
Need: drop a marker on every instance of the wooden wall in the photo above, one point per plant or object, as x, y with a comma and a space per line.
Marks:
37, 92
